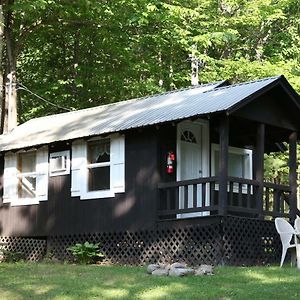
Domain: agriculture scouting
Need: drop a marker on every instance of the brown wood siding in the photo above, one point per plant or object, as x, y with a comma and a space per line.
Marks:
133, 210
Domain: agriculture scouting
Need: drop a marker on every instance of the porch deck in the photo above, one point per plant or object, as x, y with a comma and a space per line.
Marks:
201, 197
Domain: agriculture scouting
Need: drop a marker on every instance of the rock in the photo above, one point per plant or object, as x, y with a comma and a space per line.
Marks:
160, 272
165, 266
207, 268
152, 267
199, 272
204, 270
180, 272
178, 265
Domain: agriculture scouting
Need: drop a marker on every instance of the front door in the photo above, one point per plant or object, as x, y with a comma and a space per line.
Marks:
192, 149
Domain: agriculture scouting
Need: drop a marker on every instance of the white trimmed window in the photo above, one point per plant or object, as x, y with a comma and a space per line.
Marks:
239, 162
26, 177
239, 165
98, 167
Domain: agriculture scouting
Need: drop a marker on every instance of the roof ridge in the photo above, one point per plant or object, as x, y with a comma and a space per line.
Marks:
126, 101
244, 83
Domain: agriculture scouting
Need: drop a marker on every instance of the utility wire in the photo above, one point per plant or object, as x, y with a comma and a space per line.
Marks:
23, 87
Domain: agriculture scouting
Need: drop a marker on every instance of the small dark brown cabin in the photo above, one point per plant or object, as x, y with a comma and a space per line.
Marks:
185, 166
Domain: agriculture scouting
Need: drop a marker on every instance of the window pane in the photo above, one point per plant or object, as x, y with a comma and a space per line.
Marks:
99, 151
27, 187
27, 162
236, 165
27, 184
99, 179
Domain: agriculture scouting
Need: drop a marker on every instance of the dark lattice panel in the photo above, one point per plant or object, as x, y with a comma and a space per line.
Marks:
234, 241
250, 242
193, 245
31, 249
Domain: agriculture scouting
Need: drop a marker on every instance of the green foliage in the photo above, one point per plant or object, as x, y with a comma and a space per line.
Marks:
79, 54
86, 253
276, 168
12, 256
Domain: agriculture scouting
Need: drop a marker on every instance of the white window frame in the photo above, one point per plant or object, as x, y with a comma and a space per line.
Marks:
62, 171
21, 175
108, 193
80, 167
12, 176
248, 166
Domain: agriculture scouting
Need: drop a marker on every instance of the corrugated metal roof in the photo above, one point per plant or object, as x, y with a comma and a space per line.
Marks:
175, 105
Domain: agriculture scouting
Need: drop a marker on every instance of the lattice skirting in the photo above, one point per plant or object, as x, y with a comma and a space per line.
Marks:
250, 242
191, 244
33, 249
231, 241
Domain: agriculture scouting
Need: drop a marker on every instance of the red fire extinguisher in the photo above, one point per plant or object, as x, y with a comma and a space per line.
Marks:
170, 162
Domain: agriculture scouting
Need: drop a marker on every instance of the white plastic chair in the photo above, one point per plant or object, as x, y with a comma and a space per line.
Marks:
286, 232
297, 226
297, 229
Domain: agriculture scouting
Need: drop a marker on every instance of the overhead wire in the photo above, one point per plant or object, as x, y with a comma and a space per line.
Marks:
23, 87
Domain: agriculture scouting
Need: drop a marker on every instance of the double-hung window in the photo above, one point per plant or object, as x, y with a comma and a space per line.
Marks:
27, 175
25, 179
98, 167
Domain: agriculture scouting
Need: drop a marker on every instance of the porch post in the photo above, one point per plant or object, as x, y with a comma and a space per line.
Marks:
223, 164
293, 175
259, 168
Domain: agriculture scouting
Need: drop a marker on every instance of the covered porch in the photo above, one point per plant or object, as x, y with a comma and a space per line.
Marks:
265, 122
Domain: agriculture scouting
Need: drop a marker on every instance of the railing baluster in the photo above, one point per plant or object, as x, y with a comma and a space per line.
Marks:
195, 195
168, 199
249, 195
203, 186
240, 196
212, 193
186, 196
276, 201
267, 198
161, 198
281, 199
177, 198
230, 192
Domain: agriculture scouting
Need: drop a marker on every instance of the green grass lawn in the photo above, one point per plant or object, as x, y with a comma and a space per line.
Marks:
49, 281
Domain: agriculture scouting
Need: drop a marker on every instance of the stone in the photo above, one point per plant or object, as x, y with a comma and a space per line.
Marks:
180, 272
199, 272
178, 265
160, 272
152, 267
204, 270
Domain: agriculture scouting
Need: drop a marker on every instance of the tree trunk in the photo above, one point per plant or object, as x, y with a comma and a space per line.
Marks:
1, 65
10, 112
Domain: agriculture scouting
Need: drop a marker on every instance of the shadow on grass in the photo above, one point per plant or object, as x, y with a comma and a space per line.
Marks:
42, 281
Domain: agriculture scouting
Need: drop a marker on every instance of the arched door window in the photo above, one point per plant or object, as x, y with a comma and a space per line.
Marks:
188, 136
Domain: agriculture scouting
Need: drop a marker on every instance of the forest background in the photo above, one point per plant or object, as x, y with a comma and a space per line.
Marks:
60, 55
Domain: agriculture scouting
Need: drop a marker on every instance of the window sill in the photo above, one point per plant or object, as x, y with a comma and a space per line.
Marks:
21, 202
97, 194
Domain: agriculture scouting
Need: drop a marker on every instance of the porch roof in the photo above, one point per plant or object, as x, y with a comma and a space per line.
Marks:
124, 115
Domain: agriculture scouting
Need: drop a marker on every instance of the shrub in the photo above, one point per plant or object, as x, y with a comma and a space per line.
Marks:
12, 256
86, 253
